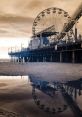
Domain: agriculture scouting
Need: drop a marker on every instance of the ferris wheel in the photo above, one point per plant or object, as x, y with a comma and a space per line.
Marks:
51, 20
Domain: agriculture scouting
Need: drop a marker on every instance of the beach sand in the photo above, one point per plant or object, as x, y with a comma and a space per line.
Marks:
16, 98
16, 91
47, 71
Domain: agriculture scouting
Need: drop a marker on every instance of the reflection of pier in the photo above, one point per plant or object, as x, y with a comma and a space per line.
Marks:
73, 87
72, 104
48, 104
69, 90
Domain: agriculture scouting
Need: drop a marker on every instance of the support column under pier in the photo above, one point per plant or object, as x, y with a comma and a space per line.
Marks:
75, 93
78, 56
73, 57
51, 58
23, 60
60, 57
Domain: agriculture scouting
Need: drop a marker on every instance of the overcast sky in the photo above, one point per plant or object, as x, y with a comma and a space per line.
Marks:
16, 18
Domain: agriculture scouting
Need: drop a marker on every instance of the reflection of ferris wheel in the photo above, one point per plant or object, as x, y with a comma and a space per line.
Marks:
51, 104
51, 19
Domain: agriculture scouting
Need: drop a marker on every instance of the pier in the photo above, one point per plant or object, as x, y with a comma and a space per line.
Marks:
50, 44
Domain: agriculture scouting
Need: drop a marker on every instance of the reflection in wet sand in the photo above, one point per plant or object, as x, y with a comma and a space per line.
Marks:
16, 97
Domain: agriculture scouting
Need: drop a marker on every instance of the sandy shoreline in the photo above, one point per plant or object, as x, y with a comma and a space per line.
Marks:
46, 71
16, 93
16, 97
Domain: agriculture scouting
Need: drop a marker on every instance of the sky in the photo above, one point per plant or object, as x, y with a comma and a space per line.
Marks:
17, 16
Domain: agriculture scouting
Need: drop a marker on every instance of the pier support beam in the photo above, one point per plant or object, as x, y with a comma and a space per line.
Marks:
44, 59
23, 60
51, 58
73, 57
18, 60
75, 93
60, 57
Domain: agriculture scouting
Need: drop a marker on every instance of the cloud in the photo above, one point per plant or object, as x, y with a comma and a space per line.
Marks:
14, 18
15, 26
35, 4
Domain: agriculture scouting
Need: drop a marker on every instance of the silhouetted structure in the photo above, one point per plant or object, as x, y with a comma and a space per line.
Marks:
53, 42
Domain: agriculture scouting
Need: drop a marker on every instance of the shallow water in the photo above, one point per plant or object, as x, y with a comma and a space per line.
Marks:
16, 98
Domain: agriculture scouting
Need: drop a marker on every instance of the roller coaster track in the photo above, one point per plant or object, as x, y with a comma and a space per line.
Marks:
71, 23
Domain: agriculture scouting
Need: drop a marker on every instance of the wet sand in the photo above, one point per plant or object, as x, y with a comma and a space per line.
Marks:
16, 94
47, 71
16, 97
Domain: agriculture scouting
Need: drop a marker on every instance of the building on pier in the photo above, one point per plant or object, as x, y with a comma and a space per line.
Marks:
69, 53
